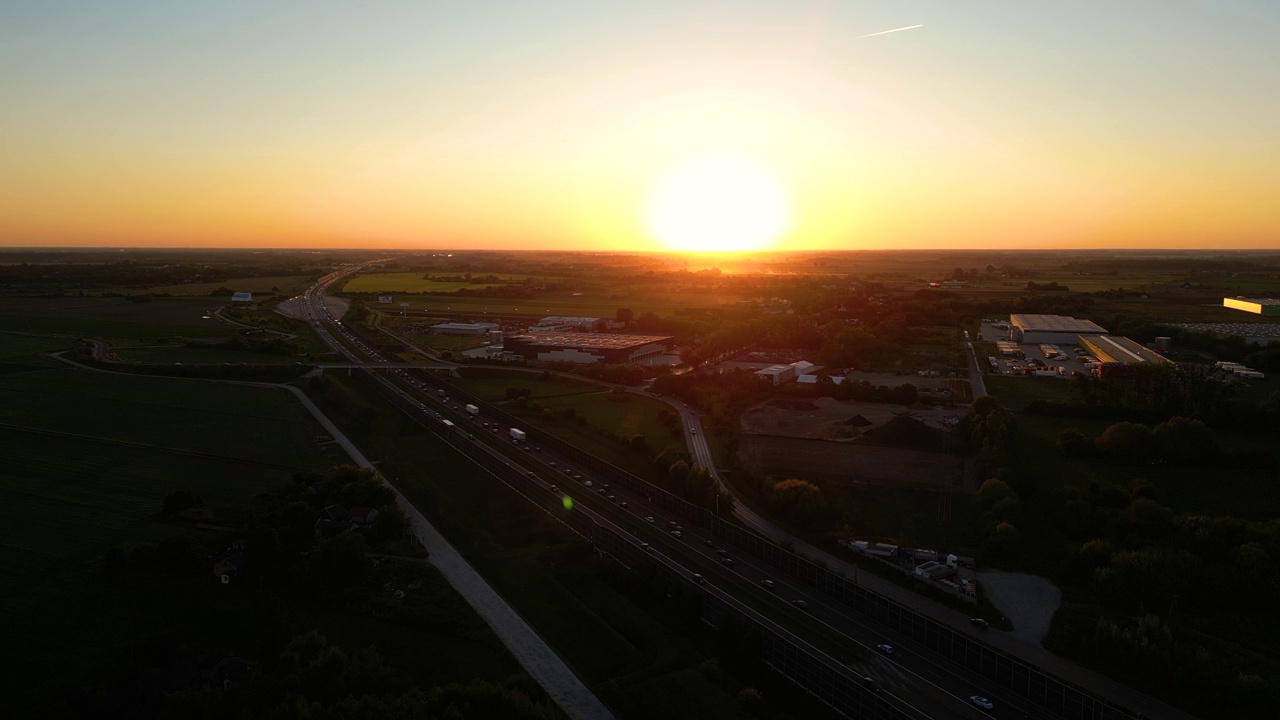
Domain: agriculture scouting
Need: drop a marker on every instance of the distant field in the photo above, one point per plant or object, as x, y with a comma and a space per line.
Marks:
191, 355
588, 304
112, 317
287, 284
413, 282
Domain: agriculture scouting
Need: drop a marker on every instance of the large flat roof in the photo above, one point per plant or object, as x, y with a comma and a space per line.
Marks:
1257, 306
1055, 323
1260, 330
600, 341
1110, 348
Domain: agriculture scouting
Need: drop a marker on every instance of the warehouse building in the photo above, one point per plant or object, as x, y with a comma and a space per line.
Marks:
1269, 307
472, 329
1113, 349
564, 323
782, 374
1055, 329
588, 347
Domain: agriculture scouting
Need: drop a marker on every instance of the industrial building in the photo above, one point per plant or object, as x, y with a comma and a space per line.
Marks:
1260, 333
472, 329
1269, 307
588, 347
1112, 349
563, 323
782, 374
242, 297
1055, 329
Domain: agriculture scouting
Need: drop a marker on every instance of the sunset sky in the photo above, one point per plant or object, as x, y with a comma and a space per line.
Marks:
549, 124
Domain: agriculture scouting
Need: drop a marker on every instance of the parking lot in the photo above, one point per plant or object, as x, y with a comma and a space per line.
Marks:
1071, 361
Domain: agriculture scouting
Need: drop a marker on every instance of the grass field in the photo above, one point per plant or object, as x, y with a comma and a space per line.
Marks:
604, 304
89, 458
492, 384
637, 416
112, 317
287, 284
199, 355
413, 282
1243, 492
28, 350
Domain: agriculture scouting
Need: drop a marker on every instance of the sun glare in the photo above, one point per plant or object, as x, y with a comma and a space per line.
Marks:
717, 201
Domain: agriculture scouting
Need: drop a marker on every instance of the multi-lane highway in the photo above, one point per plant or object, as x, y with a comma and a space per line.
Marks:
910, 678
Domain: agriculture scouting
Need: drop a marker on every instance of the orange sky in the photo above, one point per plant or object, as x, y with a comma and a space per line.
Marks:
507, 127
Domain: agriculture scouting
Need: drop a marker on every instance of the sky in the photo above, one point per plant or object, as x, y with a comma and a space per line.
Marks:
547, 125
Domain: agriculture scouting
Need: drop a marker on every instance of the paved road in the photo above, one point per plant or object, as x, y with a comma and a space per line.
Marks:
976, 384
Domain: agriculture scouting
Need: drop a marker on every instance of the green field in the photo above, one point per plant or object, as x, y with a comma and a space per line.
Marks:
29, 350
413, 282
199, 355
591, 303
89, 458
112, 317
287, 284
492, 384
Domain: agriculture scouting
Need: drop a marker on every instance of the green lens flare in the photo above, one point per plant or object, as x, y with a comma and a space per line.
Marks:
568, 502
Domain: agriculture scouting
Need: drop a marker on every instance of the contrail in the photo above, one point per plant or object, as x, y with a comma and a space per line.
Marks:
886, 32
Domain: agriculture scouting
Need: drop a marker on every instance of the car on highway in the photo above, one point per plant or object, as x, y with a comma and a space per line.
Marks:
613, 498
800, 604
646, 547
533, 474
981, 702
979, 622
554, 488
699, 579
601, 491
726, 560
568, 471
886, 649
708, 543
672, 524
766, 584
649, 519
870, 684
677, 534
623, 504
553, 464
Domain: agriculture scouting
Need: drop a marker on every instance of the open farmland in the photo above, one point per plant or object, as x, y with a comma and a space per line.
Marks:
491, 384
113, 317
602, 303
279, 285
414, 282
89, 458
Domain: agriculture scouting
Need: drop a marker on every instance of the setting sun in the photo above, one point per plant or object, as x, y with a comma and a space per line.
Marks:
717, 201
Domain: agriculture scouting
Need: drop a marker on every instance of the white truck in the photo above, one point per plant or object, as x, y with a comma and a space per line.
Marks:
517, 435
472, 410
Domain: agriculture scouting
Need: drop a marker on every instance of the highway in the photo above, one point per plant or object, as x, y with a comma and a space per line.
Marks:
914, 680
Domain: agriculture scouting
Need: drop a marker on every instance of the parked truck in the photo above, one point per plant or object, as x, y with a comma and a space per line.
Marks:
473, 410
517, 435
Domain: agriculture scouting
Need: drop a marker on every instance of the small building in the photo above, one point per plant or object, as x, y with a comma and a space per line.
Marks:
470, 329
242, 297
361, 515
229, 569
783, 374
1054, 329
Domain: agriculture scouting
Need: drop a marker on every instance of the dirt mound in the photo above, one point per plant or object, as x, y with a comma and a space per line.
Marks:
857, 421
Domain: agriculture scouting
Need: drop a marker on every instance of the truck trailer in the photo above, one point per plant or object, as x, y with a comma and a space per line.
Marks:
473, 410
517, 435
